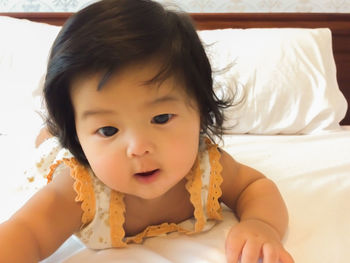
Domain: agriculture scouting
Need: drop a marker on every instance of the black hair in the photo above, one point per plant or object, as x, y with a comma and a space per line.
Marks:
110, 34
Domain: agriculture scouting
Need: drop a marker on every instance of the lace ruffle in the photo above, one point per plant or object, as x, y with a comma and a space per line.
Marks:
214, 192
117, 219
194, 187
157, 230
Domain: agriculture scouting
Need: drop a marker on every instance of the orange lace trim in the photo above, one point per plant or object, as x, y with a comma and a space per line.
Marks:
152, 231
214, 192
194, 187
83, 186
117, 219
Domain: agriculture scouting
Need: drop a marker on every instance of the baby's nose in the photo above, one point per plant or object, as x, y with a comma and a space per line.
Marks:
138, 146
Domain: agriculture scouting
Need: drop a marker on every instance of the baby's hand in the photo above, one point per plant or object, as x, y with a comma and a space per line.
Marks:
252, 239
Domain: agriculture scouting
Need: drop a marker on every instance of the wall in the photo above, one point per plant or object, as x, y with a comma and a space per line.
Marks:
339, 6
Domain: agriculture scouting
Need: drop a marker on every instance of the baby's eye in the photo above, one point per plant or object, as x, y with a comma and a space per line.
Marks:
107, 131
162, 118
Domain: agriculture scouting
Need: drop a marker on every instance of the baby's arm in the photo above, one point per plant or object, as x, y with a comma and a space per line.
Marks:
42, 224
262, 213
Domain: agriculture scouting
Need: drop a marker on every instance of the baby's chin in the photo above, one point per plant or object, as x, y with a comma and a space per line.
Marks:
157, 192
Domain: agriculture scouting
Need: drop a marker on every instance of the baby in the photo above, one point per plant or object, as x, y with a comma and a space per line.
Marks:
130, 101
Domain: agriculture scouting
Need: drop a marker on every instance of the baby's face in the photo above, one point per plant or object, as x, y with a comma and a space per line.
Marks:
139, 139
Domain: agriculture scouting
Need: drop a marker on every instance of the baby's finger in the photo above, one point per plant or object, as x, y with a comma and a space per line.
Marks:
271, 254
251, 252
233, 249
285, 257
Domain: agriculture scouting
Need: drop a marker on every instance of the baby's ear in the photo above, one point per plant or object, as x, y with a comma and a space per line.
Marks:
43, 135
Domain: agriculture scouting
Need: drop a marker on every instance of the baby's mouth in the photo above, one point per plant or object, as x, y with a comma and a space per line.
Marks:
147, 177
149, 173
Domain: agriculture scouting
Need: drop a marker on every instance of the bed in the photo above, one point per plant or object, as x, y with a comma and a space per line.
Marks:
293, 125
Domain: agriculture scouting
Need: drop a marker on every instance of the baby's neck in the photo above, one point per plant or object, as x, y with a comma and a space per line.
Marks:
174, 207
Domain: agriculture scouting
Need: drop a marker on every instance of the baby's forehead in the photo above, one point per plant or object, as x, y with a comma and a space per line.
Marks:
128, 80
151, 73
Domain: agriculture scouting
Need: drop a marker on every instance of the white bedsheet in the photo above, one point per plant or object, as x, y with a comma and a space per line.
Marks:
313, 175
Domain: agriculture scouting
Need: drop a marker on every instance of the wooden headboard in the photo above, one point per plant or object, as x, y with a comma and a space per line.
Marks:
339, 23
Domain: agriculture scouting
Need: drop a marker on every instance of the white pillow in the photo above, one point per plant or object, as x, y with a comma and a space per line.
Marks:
24, 49
288, 78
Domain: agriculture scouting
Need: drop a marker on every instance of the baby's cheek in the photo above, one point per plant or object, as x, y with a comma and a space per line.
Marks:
108, 170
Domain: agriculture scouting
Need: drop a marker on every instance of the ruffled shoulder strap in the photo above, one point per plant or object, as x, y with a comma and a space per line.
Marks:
213, 207
194, 187
83, 186
117, 219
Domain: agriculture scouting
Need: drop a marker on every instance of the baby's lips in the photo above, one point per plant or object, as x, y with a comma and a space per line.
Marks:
147, 173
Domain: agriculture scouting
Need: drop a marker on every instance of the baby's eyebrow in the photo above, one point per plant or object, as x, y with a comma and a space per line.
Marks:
163, 99
88, 113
